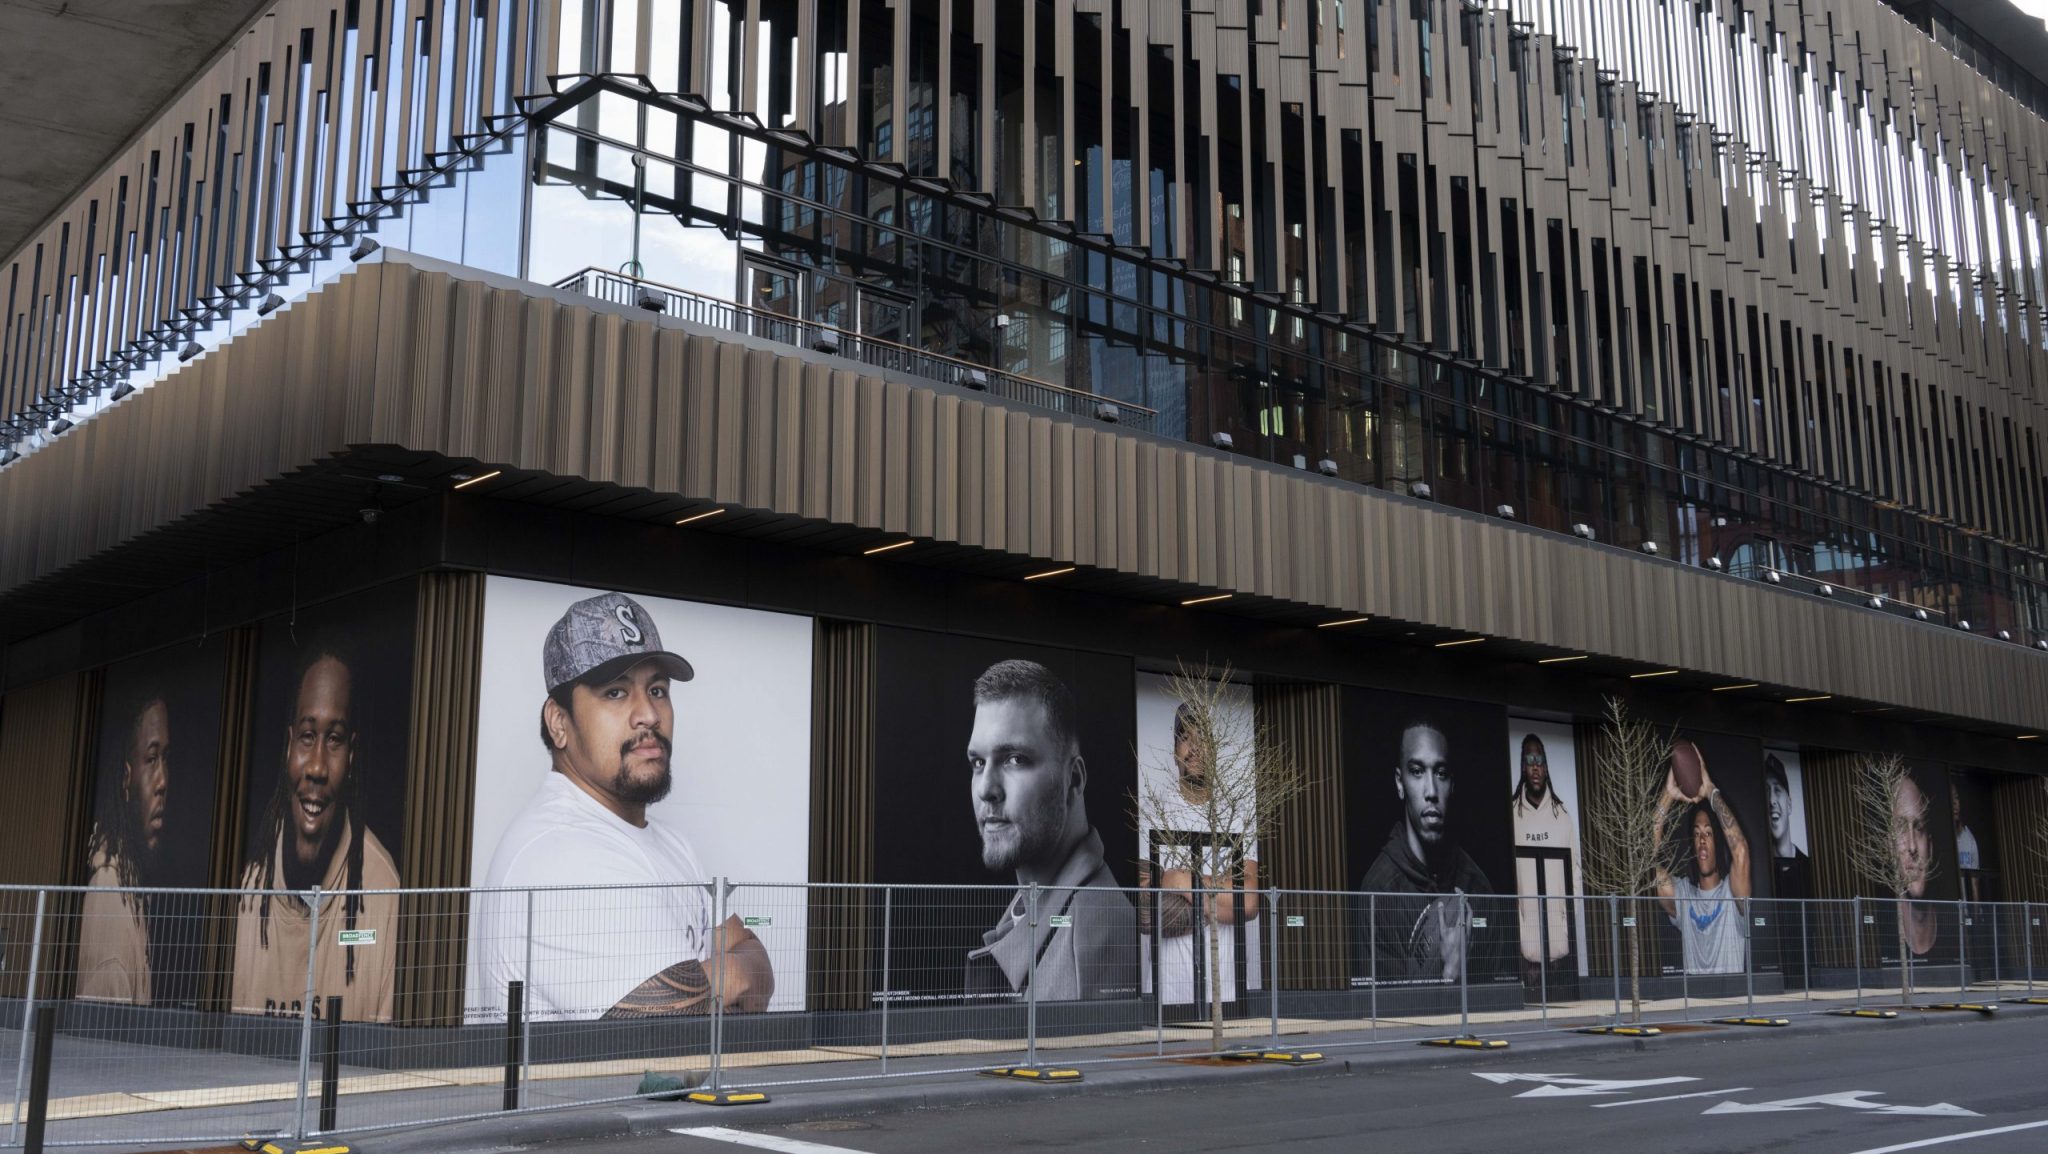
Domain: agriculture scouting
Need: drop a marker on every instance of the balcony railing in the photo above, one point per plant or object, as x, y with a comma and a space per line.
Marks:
872, 351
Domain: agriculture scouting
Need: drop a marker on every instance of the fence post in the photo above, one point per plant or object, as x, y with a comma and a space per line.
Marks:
1856, 937
1684, 971
306, 1013
1749, 961
330, 1067
717, 986
35, 957
1997, 955
1465, 967
1372, 971
1543, 954
1805, 952
1614, 953
515, 1023
1963, 928
2027, 924
1031, 981
888, 909
43, 1024
525, 1019
1273, 963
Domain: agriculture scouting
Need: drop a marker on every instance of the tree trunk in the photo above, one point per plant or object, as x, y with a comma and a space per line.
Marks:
1215, 985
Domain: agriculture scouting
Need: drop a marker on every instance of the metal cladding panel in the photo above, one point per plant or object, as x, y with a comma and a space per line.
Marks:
643, 403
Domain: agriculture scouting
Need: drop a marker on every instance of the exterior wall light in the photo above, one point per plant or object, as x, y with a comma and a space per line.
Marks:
1650, 547
1504, 511
1222, 440
1581, 529
1419, 490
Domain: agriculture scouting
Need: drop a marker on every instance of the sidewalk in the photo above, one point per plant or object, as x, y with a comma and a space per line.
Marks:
200, 1098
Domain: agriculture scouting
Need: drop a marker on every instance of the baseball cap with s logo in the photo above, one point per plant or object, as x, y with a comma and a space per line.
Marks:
600, 637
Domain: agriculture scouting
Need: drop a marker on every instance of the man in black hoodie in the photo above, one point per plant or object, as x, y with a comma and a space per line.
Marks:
1420, 926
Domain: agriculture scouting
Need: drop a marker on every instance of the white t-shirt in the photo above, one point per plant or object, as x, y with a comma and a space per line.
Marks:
1713, 926
590, 948
1177, 953
1966, 850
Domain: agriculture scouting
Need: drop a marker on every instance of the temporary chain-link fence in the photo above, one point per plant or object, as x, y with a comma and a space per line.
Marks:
205, 1016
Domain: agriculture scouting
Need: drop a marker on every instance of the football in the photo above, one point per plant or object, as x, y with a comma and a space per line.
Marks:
1688, 768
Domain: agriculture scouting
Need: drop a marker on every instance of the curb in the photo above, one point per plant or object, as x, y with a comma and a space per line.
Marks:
945, 1092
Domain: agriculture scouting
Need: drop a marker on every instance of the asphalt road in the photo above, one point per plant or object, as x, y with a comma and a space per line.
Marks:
1976, 1088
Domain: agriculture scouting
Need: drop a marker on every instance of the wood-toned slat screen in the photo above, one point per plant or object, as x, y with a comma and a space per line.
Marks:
46, 736
1305, 849
843, 922
1832, 816
440, 796
230, 813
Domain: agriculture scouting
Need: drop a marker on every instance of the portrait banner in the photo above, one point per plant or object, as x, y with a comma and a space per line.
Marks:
1544, 804
998, 766
1428, 836
1922, 923
156, 770
1193, 836
644, 747
328, 740
1717, 867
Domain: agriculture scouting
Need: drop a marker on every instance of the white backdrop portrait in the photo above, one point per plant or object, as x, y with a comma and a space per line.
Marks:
738, 806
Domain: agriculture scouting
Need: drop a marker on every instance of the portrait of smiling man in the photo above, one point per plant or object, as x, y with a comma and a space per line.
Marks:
311, 834
649, 948
1027, 782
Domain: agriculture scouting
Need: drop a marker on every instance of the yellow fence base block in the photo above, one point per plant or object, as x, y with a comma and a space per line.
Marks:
1044, 1074
1623, 1031
328, 1145
2028, 1001
1284, 1057
1466, 1042
1972, 1007
726, 1097
1753, 1021
1864, 1013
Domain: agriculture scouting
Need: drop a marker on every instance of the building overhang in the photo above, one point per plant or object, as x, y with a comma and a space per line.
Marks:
83, 78
402, 375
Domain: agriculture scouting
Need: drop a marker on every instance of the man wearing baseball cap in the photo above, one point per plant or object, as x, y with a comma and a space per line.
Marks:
648, 947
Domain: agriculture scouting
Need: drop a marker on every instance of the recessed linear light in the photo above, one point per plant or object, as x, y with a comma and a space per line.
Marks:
1206, 600
2028, 737
1562, 660
1346, 621
1879, 709
1462, 641
1049, 573
1726, 688
701, 516
1815, 697
1657, 673
480, 479
886, 548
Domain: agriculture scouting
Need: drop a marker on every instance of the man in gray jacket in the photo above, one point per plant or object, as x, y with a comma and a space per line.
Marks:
1028, 788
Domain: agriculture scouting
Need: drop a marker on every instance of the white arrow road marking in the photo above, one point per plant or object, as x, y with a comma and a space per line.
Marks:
1568, 1086
1848, 1099
1671, 1098
1947, 1138
759, 1141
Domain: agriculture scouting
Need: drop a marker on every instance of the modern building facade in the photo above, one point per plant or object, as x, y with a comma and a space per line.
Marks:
1418, 358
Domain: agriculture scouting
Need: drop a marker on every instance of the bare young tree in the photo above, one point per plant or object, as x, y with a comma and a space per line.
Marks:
1880, 848
1629, 826
1230, 779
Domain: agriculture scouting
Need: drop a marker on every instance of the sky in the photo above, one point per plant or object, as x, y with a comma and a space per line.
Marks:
2038, 9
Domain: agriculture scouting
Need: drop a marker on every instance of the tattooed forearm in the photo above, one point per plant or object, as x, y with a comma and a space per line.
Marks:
680, 989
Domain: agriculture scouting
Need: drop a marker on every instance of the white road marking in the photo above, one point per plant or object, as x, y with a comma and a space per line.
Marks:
1568, 1086
1847, 1099
760, 1141
1964, 1137
1671, 1097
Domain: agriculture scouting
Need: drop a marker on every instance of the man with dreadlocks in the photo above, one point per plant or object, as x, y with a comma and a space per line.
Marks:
312, 834
113, 932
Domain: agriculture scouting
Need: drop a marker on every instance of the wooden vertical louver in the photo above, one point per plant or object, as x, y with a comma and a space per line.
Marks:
46, 738
1304, 848
440, 797
843, 921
